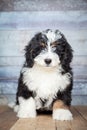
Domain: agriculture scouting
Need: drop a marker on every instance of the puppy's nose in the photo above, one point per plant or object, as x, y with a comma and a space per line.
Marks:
48, 61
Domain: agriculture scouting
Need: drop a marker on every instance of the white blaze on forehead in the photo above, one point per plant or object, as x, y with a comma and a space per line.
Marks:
52, 35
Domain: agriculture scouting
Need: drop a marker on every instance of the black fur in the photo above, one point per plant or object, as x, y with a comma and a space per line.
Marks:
64, 51
34, 47
22, 90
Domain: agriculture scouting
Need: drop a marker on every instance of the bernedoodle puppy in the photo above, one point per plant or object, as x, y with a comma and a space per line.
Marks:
46, 79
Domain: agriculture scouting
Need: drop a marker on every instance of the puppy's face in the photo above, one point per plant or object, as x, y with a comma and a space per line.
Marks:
48, 49
48, 44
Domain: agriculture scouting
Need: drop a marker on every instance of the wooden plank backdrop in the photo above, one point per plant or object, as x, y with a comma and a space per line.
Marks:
16, 29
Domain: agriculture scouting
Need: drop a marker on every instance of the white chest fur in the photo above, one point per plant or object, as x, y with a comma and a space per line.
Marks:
45, 82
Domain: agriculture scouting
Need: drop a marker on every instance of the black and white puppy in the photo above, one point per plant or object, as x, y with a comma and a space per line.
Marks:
46, 78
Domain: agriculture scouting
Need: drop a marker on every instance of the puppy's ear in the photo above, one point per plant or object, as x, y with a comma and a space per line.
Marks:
67, 55
28, 55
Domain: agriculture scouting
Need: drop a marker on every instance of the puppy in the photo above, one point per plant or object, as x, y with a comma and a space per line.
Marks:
46, 78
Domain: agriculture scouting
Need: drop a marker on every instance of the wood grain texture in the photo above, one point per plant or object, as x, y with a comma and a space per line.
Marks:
82, 111
7, 118
8, 87
34, 20
45, 122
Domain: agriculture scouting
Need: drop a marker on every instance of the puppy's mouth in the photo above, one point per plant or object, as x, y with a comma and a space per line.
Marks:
48, 66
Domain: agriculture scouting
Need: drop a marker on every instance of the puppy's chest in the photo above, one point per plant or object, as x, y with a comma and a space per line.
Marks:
45, 84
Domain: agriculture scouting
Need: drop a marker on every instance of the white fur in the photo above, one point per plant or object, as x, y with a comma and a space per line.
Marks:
52, 35
27, 108
16, 108
45, 82
48, 103
38, 103
62, 114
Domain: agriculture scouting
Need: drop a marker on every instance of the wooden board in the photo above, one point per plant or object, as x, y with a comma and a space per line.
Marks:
43, 121
27, 20
82, 111
7, 118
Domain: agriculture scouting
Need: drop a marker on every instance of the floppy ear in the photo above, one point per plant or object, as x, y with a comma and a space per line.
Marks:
28, 55
32, 49
67, 55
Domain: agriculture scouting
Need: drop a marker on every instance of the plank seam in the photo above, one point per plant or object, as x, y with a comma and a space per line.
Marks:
80, 113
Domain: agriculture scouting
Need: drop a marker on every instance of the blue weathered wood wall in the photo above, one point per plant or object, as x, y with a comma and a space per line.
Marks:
23, 19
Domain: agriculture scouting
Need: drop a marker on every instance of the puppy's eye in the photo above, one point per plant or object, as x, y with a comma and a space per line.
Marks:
43, 44
54, 44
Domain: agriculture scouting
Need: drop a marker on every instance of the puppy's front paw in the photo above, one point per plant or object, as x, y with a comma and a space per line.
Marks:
27, 108
25, 114
62, 114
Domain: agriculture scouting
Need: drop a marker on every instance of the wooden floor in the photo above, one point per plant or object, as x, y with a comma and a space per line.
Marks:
43, 121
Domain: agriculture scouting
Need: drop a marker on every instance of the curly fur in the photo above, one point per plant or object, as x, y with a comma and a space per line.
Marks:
36, 76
